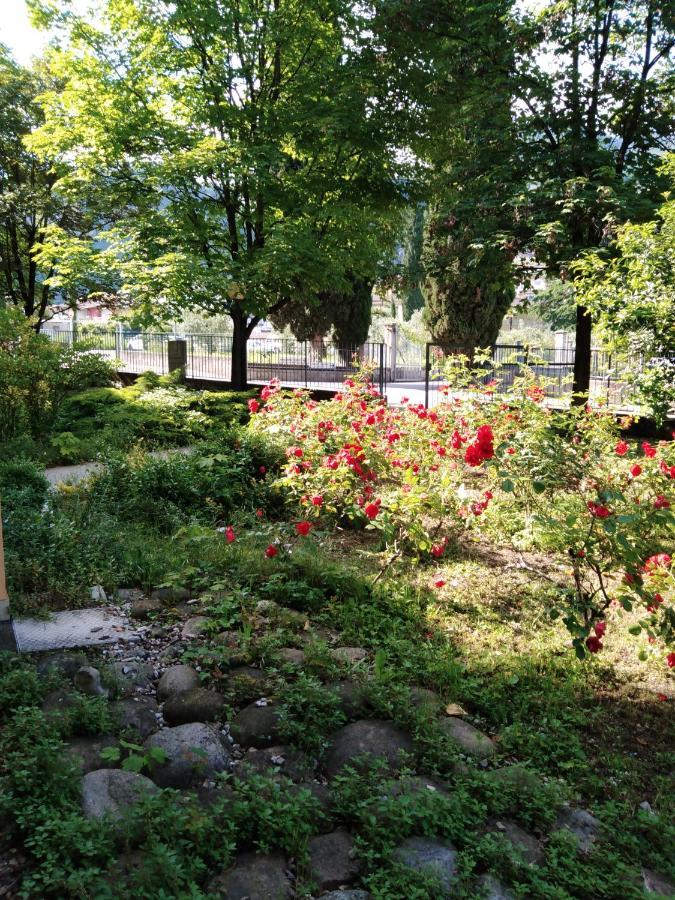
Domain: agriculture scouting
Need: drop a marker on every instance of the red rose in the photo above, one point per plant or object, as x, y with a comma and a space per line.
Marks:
670, 659
661, 502
621, 448
229, 534
599, 628
371, 510
598, 510
648, 450
317, 500
253, 406
303, 528
262, 470
658, 561
593, 643
439, 583
271, 551
636, 470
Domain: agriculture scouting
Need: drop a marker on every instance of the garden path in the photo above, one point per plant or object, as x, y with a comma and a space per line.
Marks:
73, 474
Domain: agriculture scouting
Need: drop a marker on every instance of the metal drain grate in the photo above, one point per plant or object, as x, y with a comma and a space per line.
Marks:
72, 628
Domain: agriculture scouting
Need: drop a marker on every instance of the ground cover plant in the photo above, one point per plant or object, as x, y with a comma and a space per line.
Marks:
311, 596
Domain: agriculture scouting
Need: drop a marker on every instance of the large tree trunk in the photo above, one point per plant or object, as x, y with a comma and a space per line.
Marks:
240, 333
582, 357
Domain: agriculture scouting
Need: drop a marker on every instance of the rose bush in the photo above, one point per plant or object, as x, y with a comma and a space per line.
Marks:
509, 467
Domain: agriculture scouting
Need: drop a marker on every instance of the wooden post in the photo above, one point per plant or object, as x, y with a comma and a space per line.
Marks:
4, 599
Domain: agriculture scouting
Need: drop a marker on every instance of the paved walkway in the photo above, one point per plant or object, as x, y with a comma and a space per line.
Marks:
73, 474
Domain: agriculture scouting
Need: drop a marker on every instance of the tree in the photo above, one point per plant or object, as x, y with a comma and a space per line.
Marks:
30, 203
249, 148
556, 304
413, 273
595, 102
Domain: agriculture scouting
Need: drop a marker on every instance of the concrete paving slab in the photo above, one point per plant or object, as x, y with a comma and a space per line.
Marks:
73, 628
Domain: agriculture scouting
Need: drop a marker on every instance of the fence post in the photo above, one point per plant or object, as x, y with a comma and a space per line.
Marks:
177, 356
4, 599
427, 371
382, 369
305, 363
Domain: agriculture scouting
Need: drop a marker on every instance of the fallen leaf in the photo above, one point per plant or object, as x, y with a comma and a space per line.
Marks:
454, 709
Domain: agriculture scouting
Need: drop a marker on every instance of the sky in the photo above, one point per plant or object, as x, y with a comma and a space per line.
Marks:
17, 33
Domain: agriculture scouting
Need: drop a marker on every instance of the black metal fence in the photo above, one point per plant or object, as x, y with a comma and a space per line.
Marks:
553, 367
308, 364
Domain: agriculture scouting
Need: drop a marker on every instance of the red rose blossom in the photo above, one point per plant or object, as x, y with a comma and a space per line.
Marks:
229, 534
371, 510
670, 659
303, 528
271, 551
661, 502
621, 448
636, 470
593, 643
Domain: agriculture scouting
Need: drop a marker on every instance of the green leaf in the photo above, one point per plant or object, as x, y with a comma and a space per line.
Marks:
635, 629
507, 485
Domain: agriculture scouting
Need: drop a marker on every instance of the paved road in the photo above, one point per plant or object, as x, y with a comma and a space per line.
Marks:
73, 474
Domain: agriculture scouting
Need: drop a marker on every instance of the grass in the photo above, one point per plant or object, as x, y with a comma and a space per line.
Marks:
594, 732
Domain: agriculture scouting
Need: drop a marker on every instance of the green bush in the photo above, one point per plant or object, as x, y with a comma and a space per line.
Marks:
36, 375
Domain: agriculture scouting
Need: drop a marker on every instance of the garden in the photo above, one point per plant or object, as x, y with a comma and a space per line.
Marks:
379, 651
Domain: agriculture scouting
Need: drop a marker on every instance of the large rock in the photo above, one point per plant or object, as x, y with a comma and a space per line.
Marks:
291, 656
431, 858
332, 861
130, 675
583, 826
256, 726
516, 778
144, 608
194, 752
137, 715
654, 883
168, 596
353, 698
195, 627
86, 752
529, 847
349, 655
246, 683
348, 894
196, 705
177, 680
254, 877
61, 663
425, 700
469, 738
111, 791
367, 738
88, 681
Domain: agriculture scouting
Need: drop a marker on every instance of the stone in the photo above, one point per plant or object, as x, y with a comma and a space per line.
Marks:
168, 596
56, 705
582, 824
228, 639
256, 726
195, 627
86, 752
144, 608
139, 716
654, 883
254, 877
322, 795
280, 760
492, 889
431, 858
98, 594
291, 656
469, 738
65, 664
88, 680
129, 595
367, 737
529, 847
177, 680
246, 683
426, 700
111, 791
266, 607
196, 705
194, 752
332, 861
353, 698
349, 655
348, 894
130, 675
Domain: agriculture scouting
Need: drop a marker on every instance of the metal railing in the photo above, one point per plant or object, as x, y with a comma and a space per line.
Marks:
309, 364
